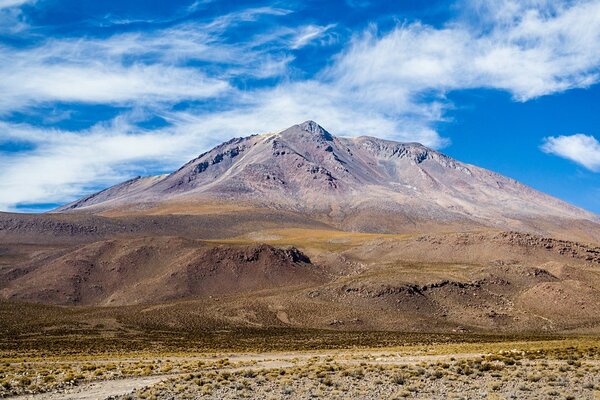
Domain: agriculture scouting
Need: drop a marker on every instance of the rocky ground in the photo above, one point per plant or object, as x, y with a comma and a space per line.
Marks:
483, 377
558, 369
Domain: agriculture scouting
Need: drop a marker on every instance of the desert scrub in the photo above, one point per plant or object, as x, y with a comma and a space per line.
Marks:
337, 380
356, 373
399, 379
501, 371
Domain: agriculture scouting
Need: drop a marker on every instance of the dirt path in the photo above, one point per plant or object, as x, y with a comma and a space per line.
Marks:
98, 390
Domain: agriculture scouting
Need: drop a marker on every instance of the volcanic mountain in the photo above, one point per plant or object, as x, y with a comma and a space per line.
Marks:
360, 183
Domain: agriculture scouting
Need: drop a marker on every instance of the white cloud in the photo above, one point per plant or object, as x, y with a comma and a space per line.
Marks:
25, 84
308, 34
12, 20
580, 148
525, 51
65, 164
146, 68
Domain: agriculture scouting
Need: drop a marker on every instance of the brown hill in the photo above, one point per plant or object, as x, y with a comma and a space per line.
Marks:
484, 282
153, 270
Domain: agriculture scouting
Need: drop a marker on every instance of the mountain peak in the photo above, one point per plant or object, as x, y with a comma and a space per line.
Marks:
310, 127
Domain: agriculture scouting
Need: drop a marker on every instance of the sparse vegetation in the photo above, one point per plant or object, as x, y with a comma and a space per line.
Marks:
555, 368
349, 375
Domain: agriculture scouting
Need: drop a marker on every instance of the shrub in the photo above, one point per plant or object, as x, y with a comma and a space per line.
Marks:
399, 379
249, 374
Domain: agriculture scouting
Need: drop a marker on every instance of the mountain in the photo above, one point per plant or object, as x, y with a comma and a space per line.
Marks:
303, 229
360, 183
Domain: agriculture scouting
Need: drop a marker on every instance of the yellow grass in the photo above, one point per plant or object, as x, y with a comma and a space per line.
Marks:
182, 208
322, 239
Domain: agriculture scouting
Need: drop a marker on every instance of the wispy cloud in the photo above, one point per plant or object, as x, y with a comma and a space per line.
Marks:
147, 67
245, 15
309, 34
181, 13
64, 164
23, 85
12, 20
580, 148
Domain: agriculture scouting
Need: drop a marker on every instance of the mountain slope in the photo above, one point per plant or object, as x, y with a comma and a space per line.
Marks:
361, 183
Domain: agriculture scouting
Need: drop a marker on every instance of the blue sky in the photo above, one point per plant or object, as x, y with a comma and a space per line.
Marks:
95, 92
